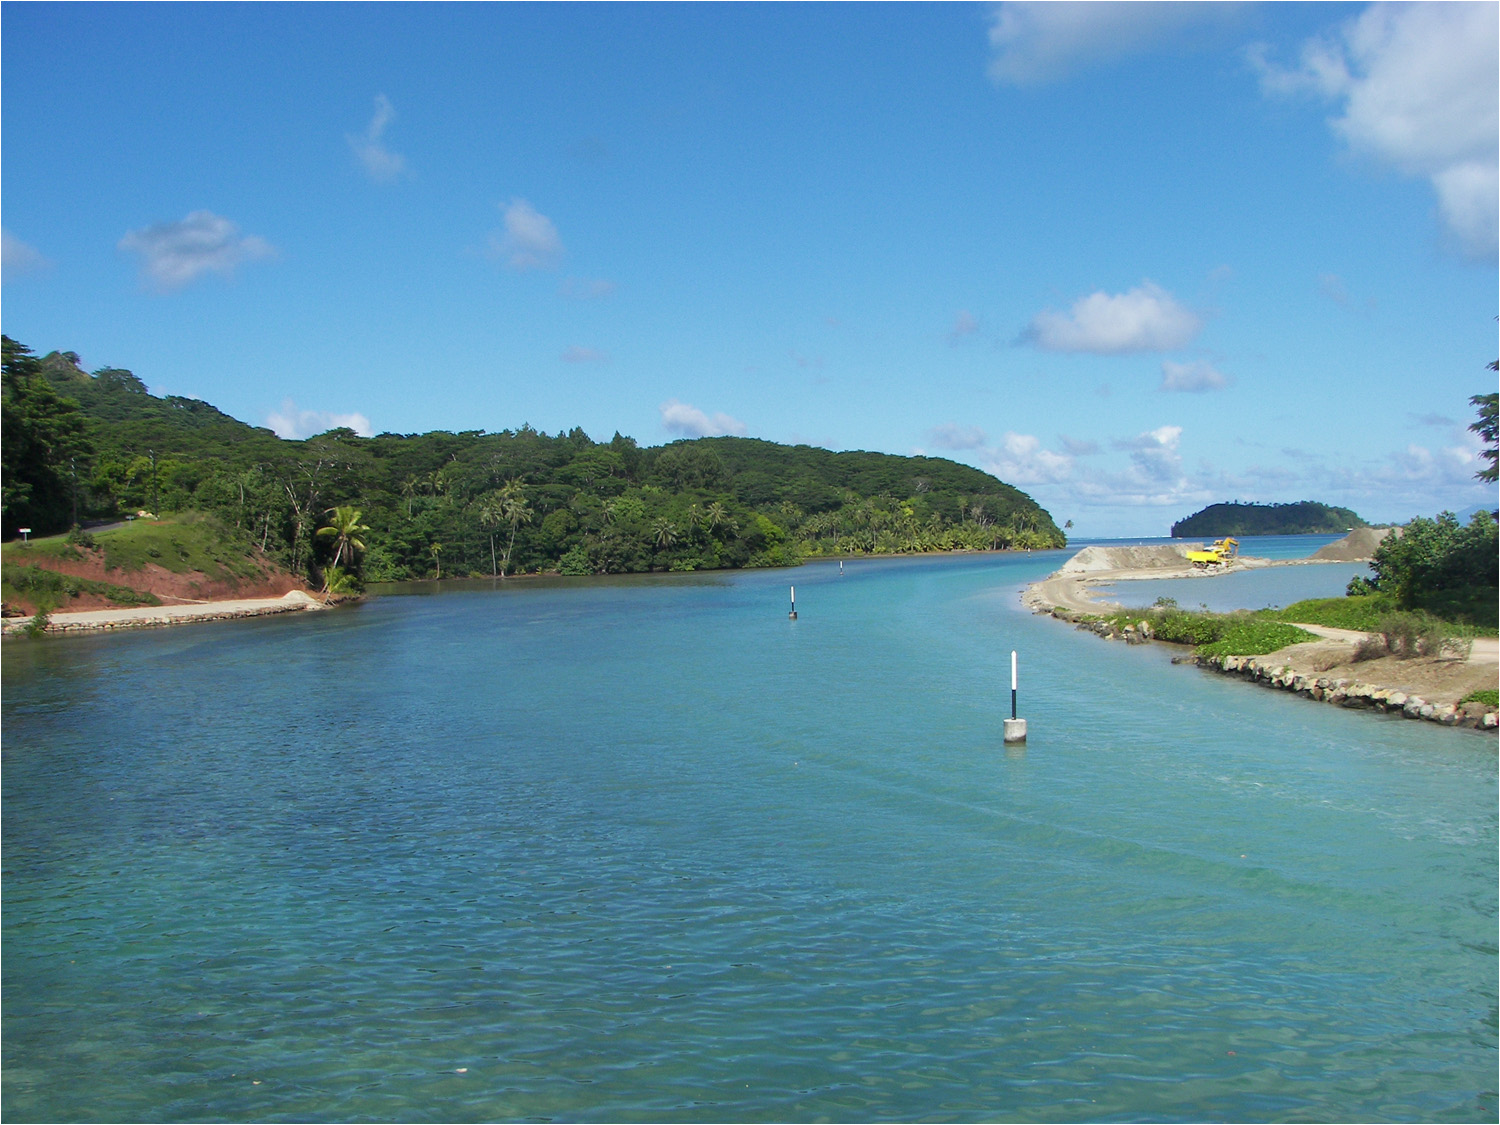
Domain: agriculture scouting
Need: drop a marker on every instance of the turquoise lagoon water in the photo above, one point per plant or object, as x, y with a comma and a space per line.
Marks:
648, 850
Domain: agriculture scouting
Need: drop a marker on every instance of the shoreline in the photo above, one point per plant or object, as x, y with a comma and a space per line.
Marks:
156, 616
1313, 669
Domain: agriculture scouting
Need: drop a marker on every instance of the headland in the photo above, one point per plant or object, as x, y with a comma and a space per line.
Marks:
1426, 687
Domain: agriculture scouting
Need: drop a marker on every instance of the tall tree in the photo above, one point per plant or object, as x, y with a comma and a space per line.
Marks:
514, 508
42, 442
491, 516
1488, 428
344, 531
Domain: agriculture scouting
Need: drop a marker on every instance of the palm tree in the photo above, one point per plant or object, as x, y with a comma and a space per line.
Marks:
437, 557
492, 515
343, 529
409, 490
516, 511
664, 530
718, 516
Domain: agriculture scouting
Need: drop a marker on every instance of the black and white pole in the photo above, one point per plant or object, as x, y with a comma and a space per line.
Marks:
1015, 729
793, 615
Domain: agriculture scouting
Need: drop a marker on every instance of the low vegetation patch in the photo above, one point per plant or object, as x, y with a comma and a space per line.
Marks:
1409, 635
40, 586
1211, 634
1488, 696
182, 544
1362, 612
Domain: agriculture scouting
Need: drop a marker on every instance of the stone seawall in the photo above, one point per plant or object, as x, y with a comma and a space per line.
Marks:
1269, 672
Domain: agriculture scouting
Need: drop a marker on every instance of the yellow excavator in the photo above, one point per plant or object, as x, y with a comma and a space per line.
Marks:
1220, 553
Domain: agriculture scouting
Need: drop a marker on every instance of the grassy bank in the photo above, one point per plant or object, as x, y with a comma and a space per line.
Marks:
189, 542
38, 586
1210, 634
1371, 613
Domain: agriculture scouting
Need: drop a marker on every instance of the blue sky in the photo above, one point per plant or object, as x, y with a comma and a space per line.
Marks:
1133, 259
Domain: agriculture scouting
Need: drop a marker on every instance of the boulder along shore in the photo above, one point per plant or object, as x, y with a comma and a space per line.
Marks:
1323, 670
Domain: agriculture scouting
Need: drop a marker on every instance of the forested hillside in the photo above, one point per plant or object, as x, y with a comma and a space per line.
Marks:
81, 446
1302, 518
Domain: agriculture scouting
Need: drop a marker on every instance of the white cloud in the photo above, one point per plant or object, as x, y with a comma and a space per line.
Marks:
530, 241
1078, 447
1417, 87
1146, 319
689, 421
382, 164
1038, 42
1020, 459
1195, 377
294, 424
174, 254
949, 435
1154, 454
17, 258
577, 354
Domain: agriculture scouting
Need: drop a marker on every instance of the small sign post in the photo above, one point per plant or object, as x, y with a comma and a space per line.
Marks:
25, 531
1015, 729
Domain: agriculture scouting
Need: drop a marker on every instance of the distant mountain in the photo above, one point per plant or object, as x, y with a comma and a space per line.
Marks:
1306, 517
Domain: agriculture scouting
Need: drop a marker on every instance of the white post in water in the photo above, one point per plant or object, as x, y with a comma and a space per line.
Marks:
793, 615
1015, 729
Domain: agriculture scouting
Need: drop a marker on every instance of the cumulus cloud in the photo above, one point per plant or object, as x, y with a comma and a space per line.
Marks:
294, 424
1021, 459
577, 354
380, 162
1145, 319
17, 258
529, 241
174, 254
1078, 447
1416, 89
1195, 377
1154, 454
1035, 43
688, 421
949, 435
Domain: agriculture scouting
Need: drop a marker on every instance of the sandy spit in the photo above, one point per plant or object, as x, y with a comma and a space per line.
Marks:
94, 620
1324, 670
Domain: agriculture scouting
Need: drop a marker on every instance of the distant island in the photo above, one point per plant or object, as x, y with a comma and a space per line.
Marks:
338, 509
1306, 517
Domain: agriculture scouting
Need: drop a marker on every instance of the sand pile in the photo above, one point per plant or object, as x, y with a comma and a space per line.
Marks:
1155, 557
1358, 546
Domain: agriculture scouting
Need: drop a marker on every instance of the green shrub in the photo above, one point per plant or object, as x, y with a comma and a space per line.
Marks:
575, 562
1215, 634
1440, 566
1488, 696
1253, 635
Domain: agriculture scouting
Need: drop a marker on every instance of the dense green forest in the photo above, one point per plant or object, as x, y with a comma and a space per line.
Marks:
1302, 518
80, 447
